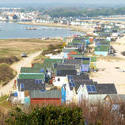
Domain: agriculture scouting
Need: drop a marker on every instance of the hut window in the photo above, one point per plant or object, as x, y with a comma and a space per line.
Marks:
22, 86
58, 79
91, 88
38, 81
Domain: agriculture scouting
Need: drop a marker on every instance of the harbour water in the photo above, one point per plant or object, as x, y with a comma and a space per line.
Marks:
14, 30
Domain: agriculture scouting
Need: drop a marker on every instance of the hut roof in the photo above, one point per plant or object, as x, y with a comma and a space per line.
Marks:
45, 94
102, 48
32, 76
30, 84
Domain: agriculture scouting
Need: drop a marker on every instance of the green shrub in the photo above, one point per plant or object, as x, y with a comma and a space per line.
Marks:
51, 49
47, 115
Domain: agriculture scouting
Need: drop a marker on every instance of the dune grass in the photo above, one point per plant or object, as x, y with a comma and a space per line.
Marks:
51, 49
3, 98
6, 74
14, 47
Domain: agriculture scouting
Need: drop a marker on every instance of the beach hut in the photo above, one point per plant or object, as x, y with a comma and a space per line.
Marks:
40, 76
101, 50
85, 68
48, 97
91, 39
94, 92
72, 53
30, 84
85, 65
66, 51
31, 70
65, 69
59, 81
26, 85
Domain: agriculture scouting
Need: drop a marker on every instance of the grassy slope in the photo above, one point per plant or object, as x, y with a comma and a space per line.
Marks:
6, 74
14, 47
10, 48
51, 49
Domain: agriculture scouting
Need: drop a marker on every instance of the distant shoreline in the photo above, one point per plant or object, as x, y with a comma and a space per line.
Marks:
73, 28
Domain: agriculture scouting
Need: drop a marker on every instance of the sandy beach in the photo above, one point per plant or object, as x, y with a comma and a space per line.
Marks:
112, 71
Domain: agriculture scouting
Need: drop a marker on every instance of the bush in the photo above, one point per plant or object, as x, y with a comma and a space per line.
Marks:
84, 114
47, 115
6, 73
123, 53
103, 114
53, 49
9, 60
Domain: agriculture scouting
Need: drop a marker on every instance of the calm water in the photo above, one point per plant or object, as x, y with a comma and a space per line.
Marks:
14, 30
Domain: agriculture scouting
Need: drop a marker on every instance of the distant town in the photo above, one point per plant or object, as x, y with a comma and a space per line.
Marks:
36, 16
19, 15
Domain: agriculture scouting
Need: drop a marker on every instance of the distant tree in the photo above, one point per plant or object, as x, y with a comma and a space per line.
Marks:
76, 12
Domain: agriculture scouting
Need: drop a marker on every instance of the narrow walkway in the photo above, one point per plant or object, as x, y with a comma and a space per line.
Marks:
26, 62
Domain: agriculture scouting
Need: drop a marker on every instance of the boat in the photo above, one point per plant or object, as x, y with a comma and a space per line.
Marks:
31, 28
23, 55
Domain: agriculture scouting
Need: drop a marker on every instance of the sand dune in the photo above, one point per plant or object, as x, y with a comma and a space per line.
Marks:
113, 70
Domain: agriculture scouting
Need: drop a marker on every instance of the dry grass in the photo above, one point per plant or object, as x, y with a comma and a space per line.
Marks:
94, 114
49, 50
103, 114
109, 58
9, 60
39, 59
14, 47
5, 107
6, 74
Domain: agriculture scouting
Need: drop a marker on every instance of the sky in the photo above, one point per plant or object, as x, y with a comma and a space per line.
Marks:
65, 1
32, 3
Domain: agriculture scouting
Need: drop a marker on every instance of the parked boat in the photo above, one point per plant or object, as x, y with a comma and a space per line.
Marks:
23, 55
31, 28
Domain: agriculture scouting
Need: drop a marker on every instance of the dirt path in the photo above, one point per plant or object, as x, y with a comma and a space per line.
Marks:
17, 66
113, 70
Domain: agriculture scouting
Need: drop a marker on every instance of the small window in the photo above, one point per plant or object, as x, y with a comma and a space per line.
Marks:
58, 79
72, 84
42, 70
22, 86
38, 81
91, 88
